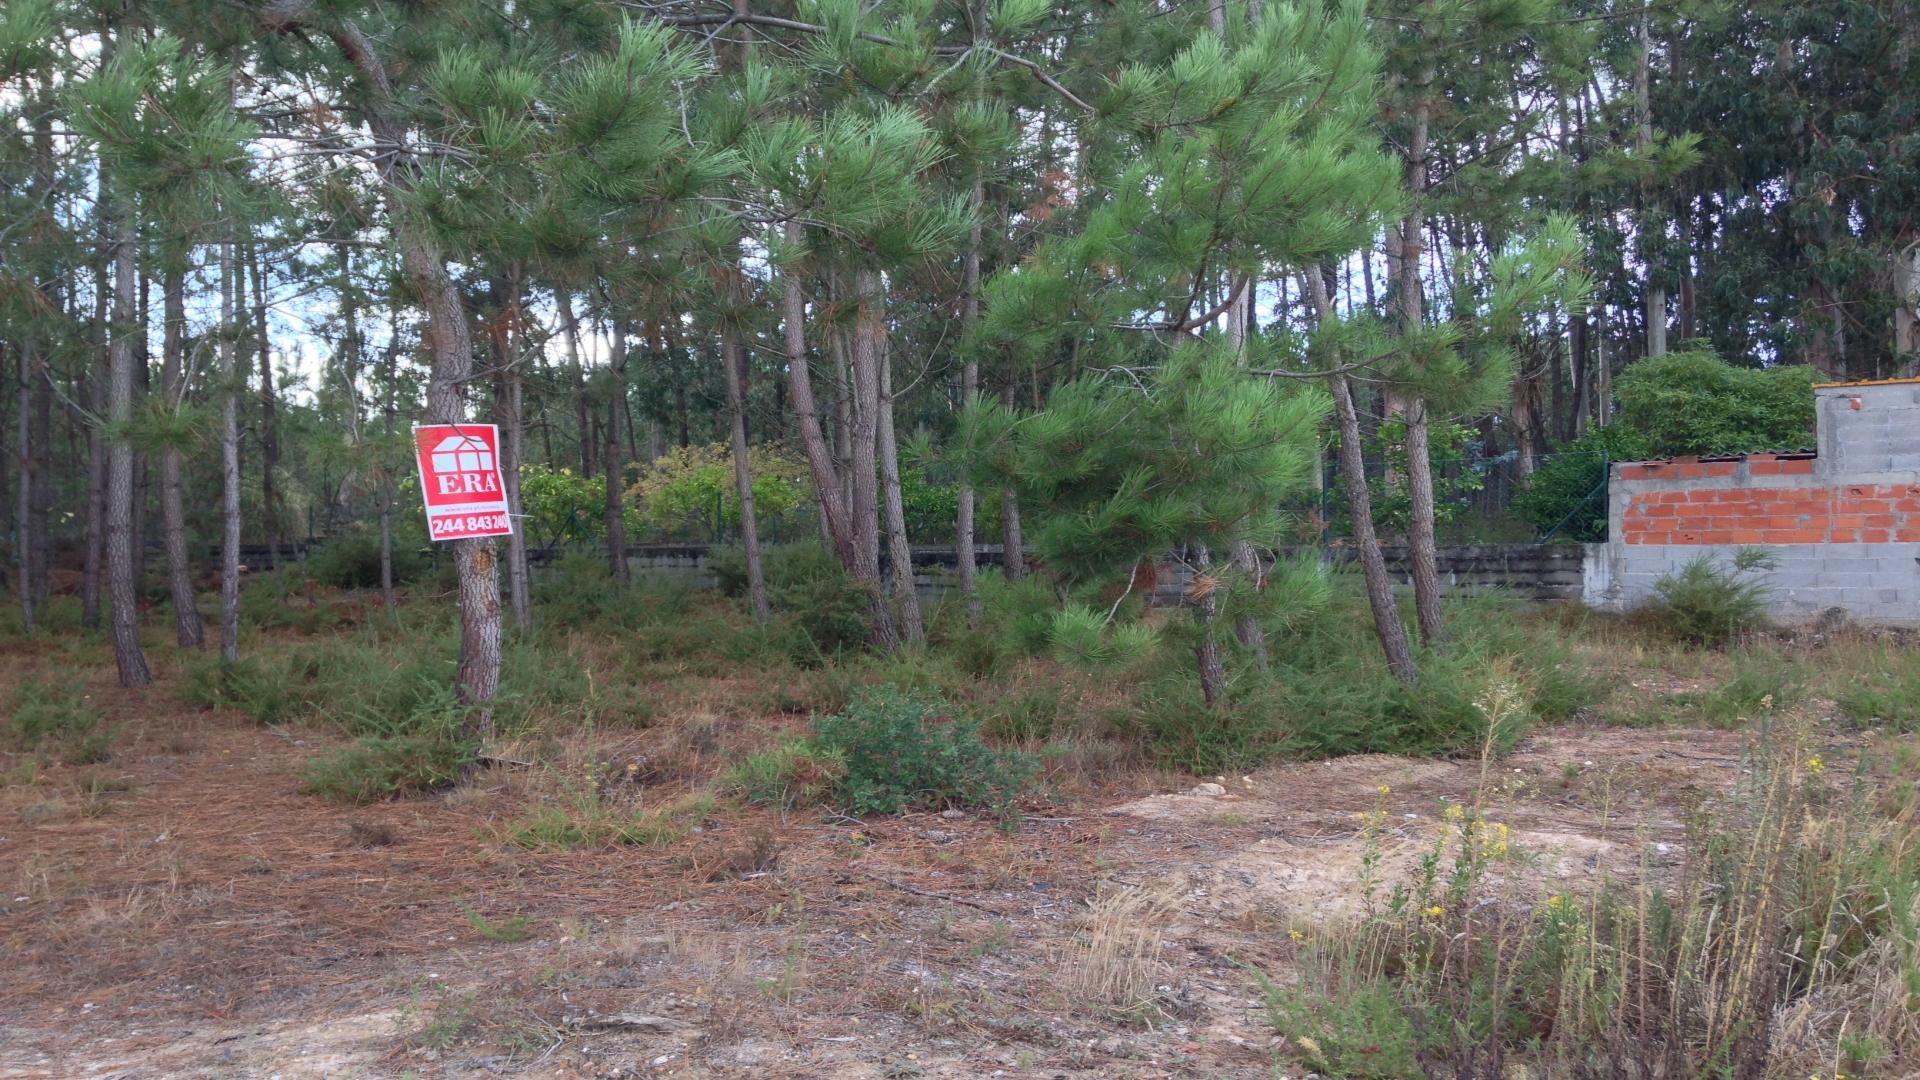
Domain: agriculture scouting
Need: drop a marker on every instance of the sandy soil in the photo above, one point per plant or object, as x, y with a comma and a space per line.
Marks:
180, 911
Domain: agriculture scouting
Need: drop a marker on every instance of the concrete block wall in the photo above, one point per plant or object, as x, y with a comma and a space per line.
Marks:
1843, 525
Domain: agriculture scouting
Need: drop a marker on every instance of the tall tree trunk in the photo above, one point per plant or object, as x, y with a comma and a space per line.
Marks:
128, 657
826, 482
1421, 544
1656, 293
576, 372
387, 392
899, 552
94, 540
963, 543
610, 460
733, 356
1353, 474
269, 403
508, 401
173, 515
868, 329
424, 270
23, 494
229, 459
1206, 652
142, 389
1247, 628
1013, 546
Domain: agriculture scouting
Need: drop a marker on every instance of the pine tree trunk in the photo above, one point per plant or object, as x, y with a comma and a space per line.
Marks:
963, 543
128, 657
733, 356
23, 495
143, 389
94, 541
508, 402
1206, 652
1421, 545
1013, 547
570, 328
269, 426
610, 458
826, 482
865, 510
173, 515
1656, 294
899, 552
425, 274
229, 462
1353, 474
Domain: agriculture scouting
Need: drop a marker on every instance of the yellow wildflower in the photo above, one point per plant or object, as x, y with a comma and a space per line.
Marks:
1385, 790
1815, 765
1436, 911
1456, 812
1297, 935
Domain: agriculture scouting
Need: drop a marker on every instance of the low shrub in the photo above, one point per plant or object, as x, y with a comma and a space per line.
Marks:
823, 611
902, 750
889, 751
247, 685
352, 561
57, 719
1705, 604
425, 750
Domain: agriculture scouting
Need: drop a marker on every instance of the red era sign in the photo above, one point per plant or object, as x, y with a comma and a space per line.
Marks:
460, 480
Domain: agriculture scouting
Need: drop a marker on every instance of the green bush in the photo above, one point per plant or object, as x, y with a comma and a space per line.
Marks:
824, 612
352, 561
1568, 492
423, 751
56, 718
1705, 604
903, 750
1697, 403
247, 685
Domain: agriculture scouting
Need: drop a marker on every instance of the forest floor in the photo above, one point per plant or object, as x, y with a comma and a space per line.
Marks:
180, 910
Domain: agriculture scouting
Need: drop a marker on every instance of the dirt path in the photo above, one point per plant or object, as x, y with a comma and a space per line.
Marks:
180, 911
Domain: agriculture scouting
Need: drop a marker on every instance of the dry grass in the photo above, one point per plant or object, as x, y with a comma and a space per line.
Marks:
1121, 959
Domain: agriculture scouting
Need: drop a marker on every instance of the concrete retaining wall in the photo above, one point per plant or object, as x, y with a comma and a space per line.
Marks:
1844, 524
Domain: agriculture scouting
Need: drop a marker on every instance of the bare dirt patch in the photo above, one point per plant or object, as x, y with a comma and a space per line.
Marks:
180, 910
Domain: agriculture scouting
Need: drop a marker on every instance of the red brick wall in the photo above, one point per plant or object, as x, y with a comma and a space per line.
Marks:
1761, 514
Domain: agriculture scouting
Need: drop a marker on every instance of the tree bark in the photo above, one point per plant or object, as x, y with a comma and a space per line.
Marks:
570, 327
826, 482
229, 461
1013, 550
610, 460
269, 426
129, 658
1424, 558
734, 358
1656, 294
1353, 474
866, 361
173, 516
23, 495
899, 552
424, 271
1206, 652
508, 407
963, 542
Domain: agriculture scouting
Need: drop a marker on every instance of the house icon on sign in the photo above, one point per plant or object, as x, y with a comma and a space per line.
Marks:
461, 453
